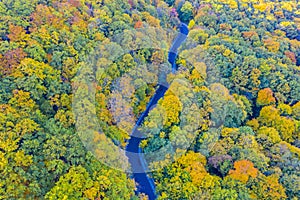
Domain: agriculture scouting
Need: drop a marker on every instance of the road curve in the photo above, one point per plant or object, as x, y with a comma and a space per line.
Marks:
145, 184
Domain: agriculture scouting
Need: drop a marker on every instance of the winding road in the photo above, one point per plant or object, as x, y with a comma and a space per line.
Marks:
145, 184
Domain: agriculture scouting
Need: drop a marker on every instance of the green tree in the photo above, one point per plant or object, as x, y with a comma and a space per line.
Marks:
186, 12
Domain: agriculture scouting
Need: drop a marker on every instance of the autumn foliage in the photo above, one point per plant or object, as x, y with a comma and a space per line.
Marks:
271, 45
138, 24
243, 170
230, 125
265, 97
291, 56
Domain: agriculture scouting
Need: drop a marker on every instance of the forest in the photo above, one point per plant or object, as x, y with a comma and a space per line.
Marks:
227, 128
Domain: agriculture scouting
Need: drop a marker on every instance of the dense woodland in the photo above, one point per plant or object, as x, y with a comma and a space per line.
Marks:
241, 105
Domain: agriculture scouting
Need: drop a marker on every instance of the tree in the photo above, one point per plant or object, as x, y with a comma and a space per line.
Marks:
286, 128
199, 35
229, 194
291, 56
244, 169
223, 163
186, 12
37, 78
138, 25
11, 60
182, 179
265, 97
271, 45
173, 107
268, 116
253, 123
17, 34
170, 2
73, 185
234, 189
228, 110
267, 187
284, 109
296, 110
271, 134
292, 183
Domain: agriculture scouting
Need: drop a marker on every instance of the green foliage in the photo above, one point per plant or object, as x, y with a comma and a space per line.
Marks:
186, 12
170, 2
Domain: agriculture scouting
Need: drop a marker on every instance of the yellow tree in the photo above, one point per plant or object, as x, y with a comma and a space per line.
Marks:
268, 187
285, 109
185, 177
268, 116
296, 110
173, 107
286, 128
271, 133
